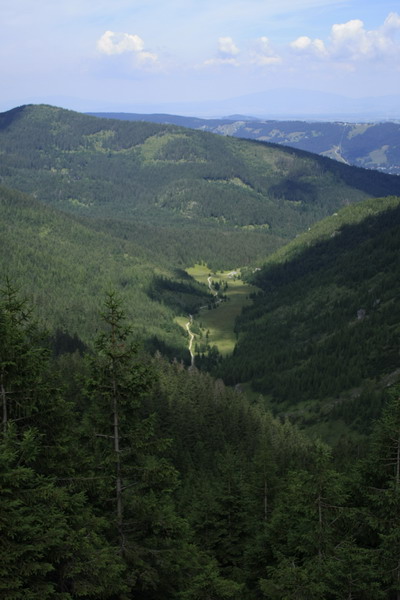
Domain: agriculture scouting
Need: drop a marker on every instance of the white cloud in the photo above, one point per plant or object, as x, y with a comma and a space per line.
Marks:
226, 55
351, 41
302, 43
263, 53
392, 23
306, 44
227, 47
119, 43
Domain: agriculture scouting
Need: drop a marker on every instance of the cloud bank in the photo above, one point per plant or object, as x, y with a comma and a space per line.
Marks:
263, 53
348, 45
352, 42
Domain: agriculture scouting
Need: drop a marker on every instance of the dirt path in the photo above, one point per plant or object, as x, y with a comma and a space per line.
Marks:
213, 291
189, 323
191, 338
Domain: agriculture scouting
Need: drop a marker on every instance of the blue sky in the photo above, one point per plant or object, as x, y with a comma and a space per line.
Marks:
143, 55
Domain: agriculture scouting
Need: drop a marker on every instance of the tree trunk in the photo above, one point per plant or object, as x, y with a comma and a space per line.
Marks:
118, 477
320, 526
4, 402
265, 499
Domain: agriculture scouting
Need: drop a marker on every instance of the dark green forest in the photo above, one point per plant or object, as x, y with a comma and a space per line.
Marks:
125, 472
321, 339
126, 476
183, 195
64, 267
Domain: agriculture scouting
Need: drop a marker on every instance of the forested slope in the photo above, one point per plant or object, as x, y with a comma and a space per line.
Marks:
368, 145
127, 477
149, 181
65, 267
321, 340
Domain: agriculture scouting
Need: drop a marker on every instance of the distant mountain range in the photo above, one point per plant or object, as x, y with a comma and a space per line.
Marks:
278, 104
152, 175
303, 104
368, 145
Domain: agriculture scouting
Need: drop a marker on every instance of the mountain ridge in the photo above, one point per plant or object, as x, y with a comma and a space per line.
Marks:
364, 144
276, 103
156, 173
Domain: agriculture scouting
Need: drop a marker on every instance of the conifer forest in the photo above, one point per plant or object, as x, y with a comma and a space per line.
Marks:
142, 458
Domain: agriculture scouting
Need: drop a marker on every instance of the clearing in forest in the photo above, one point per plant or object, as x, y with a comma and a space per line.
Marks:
215, 326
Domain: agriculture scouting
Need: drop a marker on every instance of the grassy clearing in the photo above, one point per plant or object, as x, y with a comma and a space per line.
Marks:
219, 322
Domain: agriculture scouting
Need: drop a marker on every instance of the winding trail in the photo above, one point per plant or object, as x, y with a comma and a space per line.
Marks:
191, 336
210, 285
189, 323
213, 291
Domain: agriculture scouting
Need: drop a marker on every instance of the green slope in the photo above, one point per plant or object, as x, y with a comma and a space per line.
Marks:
369, 145
321, 341
163, 184
66, 268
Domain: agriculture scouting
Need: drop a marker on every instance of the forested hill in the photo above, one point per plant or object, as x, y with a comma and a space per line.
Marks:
148, 181
66, 267
321, 340
369, 145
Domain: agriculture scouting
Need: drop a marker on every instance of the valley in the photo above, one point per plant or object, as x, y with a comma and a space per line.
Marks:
146, 201
199, 366
214, 323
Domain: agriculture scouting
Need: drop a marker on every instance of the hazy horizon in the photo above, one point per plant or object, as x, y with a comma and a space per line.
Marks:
204, 59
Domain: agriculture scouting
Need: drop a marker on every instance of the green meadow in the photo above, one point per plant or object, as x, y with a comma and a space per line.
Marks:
219, 322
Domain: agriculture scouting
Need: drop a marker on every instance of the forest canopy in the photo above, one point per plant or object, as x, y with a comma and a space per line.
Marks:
129, 476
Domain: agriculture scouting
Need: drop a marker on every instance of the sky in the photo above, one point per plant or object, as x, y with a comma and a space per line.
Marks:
199, 56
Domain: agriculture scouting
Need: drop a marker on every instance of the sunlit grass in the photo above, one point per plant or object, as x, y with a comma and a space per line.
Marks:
219, 322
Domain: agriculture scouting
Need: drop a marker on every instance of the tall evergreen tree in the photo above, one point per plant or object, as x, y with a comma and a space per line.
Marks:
135, 478
383, 493
53, 546
305, 528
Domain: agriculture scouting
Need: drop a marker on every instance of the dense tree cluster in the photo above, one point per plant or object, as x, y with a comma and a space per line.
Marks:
124, 473
327, 319
158, 184
125, 476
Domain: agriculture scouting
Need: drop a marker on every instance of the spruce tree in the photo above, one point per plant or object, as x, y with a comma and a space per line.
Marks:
135, 478
383, 494
306, 525
53, 546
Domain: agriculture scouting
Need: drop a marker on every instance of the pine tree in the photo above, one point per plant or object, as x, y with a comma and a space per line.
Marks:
305, 527
21, 361
128, 456
383, 493
53, 546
